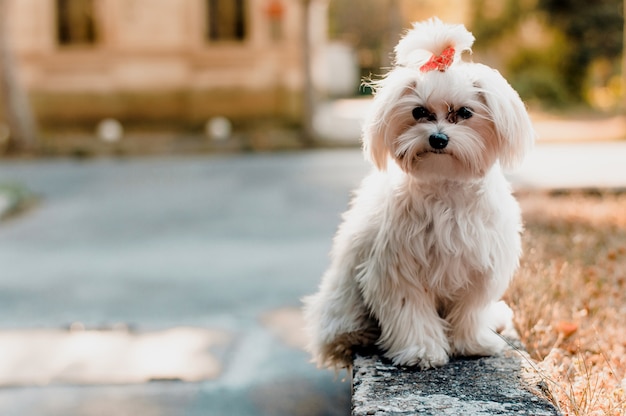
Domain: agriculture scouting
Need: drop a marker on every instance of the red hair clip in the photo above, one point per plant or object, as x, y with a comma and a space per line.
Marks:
441, 62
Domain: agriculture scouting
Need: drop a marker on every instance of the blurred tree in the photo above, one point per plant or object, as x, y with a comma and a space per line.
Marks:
18, 114
592, 29
492, 20
548, 47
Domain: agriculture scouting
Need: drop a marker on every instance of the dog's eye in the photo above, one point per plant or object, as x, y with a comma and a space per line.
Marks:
464, 113
420, 113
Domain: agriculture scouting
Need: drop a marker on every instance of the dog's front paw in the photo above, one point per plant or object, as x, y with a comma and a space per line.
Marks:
485, 343
423, 357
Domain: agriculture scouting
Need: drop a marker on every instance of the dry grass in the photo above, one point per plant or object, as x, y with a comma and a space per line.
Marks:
570, 298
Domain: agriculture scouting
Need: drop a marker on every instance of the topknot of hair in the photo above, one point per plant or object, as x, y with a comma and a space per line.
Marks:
430, 38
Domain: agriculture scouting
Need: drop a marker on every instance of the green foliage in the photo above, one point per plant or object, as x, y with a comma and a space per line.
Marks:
535, 74
595, 26
592, 29
490, 27
574, 35
541, 86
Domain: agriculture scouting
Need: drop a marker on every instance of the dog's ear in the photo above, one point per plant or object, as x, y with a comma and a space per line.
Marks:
374, 147
508, 113
385, 120
374, 129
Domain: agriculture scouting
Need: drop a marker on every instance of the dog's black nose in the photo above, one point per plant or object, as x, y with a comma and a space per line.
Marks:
438, 141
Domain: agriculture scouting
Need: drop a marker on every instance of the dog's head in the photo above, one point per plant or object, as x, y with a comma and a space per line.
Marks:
434, 114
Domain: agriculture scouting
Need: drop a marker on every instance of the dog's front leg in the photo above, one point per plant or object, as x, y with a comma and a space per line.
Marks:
474, 328
412, 333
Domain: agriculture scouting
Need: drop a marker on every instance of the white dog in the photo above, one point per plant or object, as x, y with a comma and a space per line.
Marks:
432, 236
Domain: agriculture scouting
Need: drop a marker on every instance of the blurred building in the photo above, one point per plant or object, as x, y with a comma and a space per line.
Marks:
162, 61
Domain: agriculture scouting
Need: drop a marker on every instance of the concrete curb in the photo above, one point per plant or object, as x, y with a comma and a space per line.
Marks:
499, 385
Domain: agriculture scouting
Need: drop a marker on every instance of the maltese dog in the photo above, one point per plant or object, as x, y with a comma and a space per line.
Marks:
432, 236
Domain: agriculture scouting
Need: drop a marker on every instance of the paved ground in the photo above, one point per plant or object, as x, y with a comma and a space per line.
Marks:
224, 243
224, 246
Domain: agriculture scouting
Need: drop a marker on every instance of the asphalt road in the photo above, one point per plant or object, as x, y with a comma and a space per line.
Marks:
207, 242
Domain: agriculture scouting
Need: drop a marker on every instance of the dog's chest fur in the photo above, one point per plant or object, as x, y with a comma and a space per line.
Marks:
438, 237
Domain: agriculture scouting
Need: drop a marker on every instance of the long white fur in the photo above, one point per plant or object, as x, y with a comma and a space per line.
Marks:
432, 238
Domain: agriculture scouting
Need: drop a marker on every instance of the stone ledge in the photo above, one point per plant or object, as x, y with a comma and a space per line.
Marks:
500, 385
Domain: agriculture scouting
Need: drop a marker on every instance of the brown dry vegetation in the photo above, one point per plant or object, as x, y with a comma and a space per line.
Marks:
570, 298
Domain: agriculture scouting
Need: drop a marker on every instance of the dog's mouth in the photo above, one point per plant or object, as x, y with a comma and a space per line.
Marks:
403, 155
435, 151
424, 153
427, 152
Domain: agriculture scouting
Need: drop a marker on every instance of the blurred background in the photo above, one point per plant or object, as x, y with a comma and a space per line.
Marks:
170, 284
186, 76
